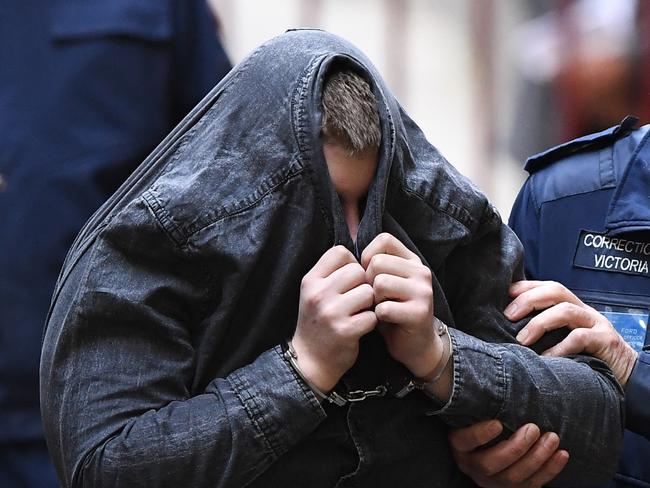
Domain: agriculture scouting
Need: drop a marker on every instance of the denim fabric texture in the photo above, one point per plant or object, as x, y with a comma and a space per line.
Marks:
161, 363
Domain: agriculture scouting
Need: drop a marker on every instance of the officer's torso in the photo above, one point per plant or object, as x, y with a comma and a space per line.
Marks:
562, 219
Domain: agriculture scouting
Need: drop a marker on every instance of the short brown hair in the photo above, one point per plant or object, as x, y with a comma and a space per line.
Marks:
350, 117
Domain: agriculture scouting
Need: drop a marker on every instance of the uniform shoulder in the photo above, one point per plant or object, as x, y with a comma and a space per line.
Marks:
582, 144
586, 164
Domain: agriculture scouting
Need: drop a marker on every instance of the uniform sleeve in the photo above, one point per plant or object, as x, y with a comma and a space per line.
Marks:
117, 370
637, 396
524, 221
494, 377
200, 60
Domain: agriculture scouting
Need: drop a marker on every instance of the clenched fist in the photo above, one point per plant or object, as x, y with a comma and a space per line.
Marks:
335, 312
403, 296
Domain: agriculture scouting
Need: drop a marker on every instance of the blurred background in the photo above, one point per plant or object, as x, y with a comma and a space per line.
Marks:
89, 87
489, 81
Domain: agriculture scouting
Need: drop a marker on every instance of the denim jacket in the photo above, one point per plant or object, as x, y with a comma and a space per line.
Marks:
161, 362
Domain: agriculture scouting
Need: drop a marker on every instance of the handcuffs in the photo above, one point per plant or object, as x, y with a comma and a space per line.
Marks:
398, 389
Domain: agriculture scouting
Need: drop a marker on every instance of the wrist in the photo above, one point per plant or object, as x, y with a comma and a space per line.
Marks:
437, 382
316, 372
291, 357
445, 348
631, 357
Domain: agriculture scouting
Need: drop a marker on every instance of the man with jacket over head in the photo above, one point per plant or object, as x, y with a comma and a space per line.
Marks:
297, 289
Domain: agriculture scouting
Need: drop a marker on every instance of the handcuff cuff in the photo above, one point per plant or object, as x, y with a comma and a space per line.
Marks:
398, 388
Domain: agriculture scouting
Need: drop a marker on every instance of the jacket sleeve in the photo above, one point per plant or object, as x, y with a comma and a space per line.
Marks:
637, 395
494, 377
117, 371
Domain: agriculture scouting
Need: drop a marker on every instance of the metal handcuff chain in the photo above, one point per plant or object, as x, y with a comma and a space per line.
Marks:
354, 396
340, 399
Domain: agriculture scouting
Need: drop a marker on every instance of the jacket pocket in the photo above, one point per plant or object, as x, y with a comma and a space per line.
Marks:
79, 20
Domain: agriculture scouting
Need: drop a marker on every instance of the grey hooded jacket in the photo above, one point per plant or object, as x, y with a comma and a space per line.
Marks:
161, 363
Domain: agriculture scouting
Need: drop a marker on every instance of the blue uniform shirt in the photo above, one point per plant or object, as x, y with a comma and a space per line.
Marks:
87, 89
583, 216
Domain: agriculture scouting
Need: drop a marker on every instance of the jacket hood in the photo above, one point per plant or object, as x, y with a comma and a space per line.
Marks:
261, 125
273, 100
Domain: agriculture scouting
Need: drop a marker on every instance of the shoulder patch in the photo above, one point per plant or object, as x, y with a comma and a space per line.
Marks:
586, 143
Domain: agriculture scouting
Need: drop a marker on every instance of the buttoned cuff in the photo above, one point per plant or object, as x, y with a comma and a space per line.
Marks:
480, 382
280, 406
637, 396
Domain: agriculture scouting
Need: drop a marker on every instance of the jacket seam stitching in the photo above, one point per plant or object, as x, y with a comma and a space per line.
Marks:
163, 217
181, 236
265, 189
251, 407
503, 382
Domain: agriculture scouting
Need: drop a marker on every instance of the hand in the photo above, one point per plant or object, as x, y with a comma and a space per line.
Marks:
591, 332
334, 313
403, 303
523, 460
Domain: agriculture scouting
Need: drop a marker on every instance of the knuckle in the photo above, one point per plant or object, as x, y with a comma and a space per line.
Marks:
522, 302
356, 272
517, 450
580, 337
474, 437
344, 329
486, 468
340, 252
557, 288
328, 314
566, 308
382, 311
363, 322
425, 273
378, 261
384, 238
367, 293
426, 292
381, 282
313, 298
305, 283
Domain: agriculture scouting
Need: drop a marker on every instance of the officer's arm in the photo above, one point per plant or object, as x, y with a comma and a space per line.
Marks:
525, 460
494, 377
